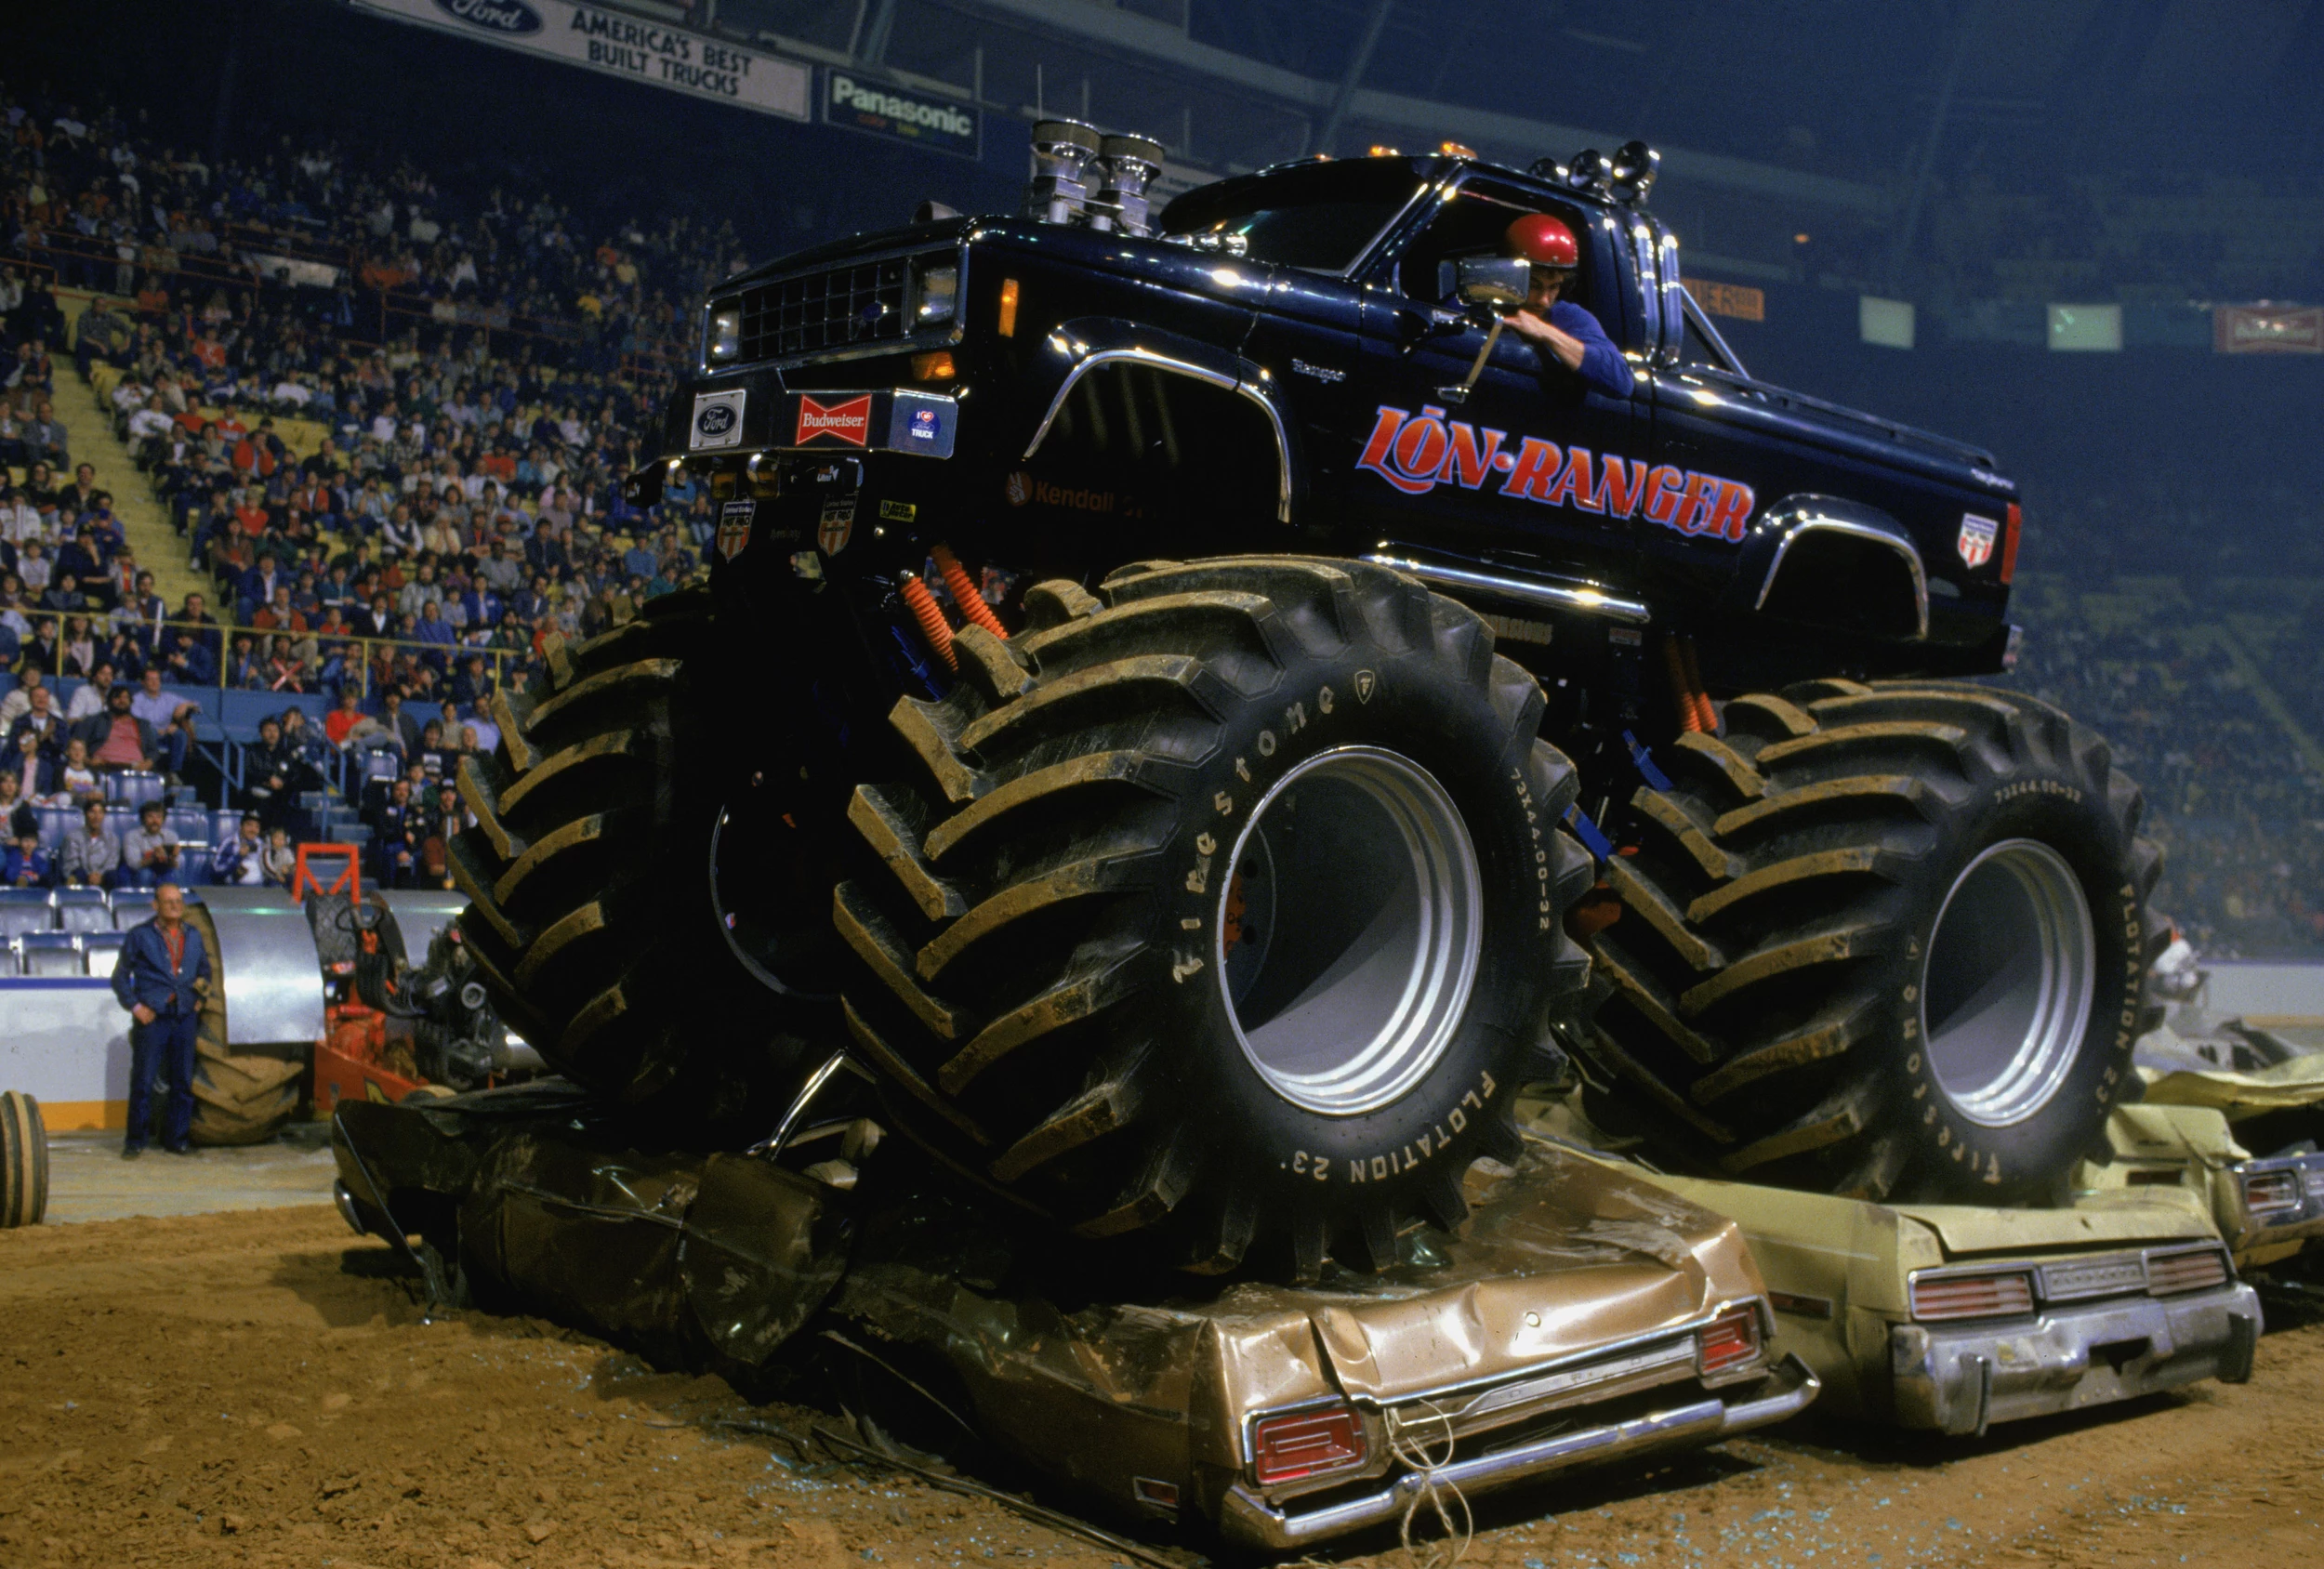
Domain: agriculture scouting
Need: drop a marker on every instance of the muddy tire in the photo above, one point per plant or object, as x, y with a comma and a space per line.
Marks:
1071, 972
23, 1160
1883, 941
590, 913
241, 1094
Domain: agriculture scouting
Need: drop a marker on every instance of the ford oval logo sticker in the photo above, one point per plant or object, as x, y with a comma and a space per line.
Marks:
513, 17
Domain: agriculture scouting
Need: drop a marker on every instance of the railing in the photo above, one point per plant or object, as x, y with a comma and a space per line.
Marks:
377, 655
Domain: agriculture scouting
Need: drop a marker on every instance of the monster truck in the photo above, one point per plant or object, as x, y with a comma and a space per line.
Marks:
1156, 689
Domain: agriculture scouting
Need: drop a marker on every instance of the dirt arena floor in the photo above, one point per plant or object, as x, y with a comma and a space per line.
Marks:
259, 1388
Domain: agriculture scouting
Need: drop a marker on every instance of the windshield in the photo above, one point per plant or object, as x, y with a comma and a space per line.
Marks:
1319, 217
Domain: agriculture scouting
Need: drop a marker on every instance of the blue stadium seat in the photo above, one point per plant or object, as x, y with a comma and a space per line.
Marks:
225, 822
188, 822
52, 953
130, 906
26, 909
103, 951
83, 909
119, 819
64, 687
56, 822
204, 698
133, 787
194, 862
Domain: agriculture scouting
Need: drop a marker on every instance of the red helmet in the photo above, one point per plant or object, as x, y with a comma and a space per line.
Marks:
1543, 240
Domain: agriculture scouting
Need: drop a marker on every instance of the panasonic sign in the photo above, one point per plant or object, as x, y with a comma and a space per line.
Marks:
882, 111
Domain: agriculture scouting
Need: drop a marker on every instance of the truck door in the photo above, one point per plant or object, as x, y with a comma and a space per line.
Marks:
1532, 461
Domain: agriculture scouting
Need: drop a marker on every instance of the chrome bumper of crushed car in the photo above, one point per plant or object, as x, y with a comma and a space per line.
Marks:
1961, 1380
1247, 1517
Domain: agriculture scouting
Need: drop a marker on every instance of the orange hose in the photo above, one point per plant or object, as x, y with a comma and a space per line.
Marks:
934, 627
1690, 717
1694, 685
964, 592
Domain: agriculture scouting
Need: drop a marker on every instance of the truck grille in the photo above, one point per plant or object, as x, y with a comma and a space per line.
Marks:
844, 308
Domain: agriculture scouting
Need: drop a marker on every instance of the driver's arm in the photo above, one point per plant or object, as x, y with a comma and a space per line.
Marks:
1568, 349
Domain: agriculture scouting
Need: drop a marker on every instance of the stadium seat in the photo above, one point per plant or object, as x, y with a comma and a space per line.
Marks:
133, 787
56, 822
225, 822
102, 951
83, 909
188, 822
52, 954
26, 909
119, 820
130, 906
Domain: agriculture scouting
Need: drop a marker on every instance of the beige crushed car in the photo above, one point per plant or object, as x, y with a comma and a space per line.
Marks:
2266, 1208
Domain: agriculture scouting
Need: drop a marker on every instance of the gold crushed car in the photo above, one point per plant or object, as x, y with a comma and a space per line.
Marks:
2265, 1207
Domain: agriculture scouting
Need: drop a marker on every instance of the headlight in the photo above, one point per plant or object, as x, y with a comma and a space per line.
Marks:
940, 288
723, 340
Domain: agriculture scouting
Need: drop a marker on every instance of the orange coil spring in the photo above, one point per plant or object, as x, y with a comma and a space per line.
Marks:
964, 593
934, 627
1690, 715
1694, 685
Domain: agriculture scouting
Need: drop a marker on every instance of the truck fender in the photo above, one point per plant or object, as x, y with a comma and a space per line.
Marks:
1787, 537
1077, 347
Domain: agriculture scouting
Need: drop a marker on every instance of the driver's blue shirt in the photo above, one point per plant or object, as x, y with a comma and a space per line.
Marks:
1603, 367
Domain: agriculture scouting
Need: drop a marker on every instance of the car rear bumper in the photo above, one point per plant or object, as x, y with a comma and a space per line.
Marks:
1962, 1379
1247, 1517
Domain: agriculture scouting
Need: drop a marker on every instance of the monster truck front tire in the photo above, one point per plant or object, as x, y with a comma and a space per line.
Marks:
591, 917
1883, 941
1227, 903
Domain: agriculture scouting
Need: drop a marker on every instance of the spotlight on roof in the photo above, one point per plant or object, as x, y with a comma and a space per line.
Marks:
1587, 171
1633, 172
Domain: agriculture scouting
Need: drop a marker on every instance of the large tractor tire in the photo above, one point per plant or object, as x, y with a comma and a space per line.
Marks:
593, 916
1227, 903
23, 1160
241, 1094
1883, 941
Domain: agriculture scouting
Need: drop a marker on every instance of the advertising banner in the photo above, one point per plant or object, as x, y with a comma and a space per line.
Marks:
2264, 329
917, 118
615, 44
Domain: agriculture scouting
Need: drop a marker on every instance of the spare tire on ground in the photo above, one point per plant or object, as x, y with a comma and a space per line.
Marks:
23, 1160
241, 1094
1226, 905
1883, 940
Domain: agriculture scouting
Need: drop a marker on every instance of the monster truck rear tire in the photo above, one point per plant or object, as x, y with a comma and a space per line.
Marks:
1883, 941
1070, 969
590, 915
23, 1160
241, 1094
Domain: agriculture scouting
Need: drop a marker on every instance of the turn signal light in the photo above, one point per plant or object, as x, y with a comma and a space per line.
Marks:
932, 367
2272, 1197
1992, 1296
2174, 1272
1729, 1341
1008, 308
2009, 542
1305, 1443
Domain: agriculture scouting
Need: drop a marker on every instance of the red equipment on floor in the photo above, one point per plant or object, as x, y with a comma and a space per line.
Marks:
365, 1055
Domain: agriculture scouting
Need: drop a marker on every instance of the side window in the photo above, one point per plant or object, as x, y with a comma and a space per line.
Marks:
1472, 223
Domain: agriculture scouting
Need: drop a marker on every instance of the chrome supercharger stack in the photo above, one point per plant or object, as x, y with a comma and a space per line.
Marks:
1083, 175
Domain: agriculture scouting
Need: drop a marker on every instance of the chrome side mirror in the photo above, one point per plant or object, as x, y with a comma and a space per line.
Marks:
1496, 283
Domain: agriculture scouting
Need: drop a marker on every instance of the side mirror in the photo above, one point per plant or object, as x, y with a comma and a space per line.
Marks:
1499, 282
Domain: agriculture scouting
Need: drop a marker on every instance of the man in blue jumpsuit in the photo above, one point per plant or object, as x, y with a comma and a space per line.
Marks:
1558, 328
156, 978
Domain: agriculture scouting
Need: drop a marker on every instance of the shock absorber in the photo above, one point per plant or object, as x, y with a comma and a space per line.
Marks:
931, 615
964, 592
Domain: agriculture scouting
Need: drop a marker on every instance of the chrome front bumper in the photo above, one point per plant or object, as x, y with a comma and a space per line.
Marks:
1247, 1517
1961, 1380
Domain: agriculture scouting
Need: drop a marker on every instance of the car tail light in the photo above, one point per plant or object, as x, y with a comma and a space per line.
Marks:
1305, 1443
1729, 1341
2199, 1271
2272, 1197
1980, 1296
2009, 543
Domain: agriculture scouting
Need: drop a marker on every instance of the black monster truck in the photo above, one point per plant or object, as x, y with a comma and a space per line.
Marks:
1157, 689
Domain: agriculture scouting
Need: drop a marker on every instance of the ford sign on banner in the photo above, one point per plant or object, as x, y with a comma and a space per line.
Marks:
620, 45
932, 122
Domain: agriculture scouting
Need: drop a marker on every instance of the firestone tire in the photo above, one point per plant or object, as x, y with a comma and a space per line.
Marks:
1072, 975
23, 1160
241, 1094
590, 915
1881, 941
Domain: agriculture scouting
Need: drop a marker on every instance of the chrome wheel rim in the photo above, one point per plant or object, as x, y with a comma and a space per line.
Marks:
2007, 984
1346, 933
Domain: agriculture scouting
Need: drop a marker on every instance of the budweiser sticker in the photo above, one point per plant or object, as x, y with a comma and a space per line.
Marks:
1977, 535
734, 536
1416, 454
849, 422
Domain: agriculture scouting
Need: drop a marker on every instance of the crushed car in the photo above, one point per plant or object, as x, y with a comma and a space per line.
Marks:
2268, 1208
1579, 1316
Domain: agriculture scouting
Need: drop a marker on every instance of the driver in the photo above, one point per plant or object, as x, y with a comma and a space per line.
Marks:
1559, 328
